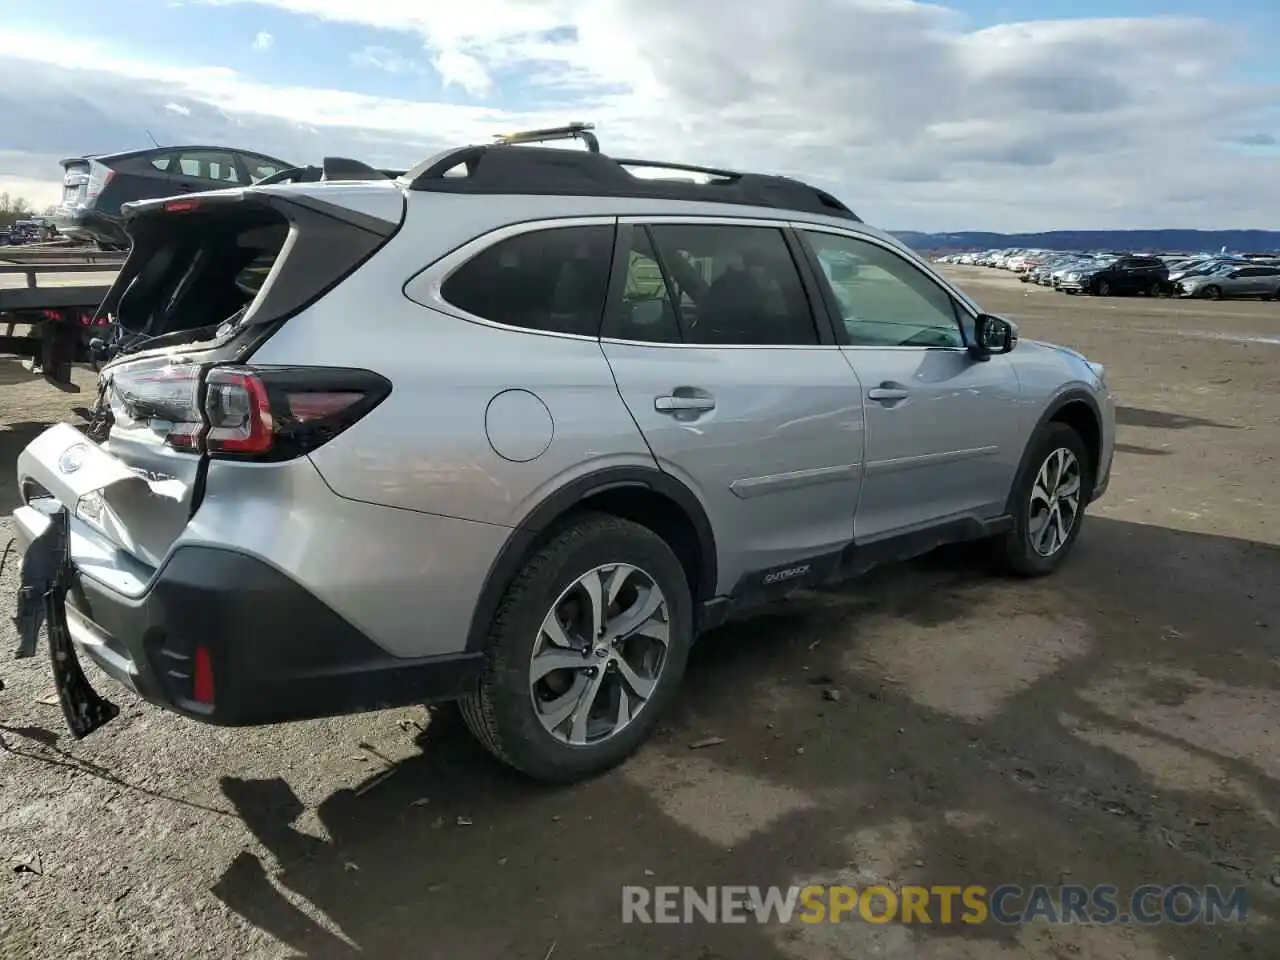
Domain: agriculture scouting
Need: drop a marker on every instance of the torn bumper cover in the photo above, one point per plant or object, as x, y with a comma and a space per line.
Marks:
212, 633
46, 576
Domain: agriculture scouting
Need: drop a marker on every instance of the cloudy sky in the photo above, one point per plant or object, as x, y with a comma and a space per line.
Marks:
968, 114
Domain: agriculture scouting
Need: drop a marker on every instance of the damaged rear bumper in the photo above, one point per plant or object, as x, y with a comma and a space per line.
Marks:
215, 634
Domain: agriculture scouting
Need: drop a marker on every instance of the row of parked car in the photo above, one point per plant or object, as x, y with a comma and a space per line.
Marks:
1108, 273
32, 230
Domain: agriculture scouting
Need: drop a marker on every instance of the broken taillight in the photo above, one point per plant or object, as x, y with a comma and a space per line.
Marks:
243, 412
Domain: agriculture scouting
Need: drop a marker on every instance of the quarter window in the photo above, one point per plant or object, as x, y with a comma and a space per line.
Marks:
731, 285
881, 299
259, 167
554, 280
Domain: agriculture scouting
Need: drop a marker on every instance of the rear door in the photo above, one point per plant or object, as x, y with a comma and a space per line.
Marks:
1252, 282
739, 391
942, 429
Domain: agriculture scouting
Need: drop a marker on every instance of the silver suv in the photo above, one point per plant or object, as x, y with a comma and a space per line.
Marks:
513, 429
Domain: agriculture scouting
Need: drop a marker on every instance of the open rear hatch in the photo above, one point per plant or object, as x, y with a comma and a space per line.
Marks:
208, 279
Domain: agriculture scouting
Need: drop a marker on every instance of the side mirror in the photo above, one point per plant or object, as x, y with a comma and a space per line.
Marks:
992, 335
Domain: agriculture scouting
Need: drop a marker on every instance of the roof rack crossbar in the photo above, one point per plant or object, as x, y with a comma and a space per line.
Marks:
570, 131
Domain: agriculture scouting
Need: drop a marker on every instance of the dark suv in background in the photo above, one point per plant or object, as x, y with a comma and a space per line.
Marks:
94, 187
1120, 274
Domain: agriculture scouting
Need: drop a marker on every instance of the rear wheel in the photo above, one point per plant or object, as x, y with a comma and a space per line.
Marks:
587, 648
1155, 289
1048, 503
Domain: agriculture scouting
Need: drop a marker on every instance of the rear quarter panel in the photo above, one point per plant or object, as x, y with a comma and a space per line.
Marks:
427, 446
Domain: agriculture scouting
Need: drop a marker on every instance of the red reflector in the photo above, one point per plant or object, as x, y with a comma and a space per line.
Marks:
181, 206
202, 679
304, 407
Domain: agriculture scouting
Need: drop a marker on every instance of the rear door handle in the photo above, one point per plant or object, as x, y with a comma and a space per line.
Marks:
674, 404
887, 393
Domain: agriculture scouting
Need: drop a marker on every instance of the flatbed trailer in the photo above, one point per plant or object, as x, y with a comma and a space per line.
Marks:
47, 308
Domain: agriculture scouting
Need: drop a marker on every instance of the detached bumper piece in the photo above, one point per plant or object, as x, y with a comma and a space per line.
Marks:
42, 600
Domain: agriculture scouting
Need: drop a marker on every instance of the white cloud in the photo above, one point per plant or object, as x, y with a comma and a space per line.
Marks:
381, 58
914, 119
263, 41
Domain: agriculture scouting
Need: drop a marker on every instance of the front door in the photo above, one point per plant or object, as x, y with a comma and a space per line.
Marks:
719, 358
942, 428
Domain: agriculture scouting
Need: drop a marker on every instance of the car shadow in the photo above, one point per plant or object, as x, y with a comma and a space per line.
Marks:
1141, 451
833, 766
14, 438
1161, 420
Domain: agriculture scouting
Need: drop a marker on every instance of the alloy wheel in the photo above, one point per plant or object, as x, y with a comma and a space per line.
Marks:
1055, 502
599, 655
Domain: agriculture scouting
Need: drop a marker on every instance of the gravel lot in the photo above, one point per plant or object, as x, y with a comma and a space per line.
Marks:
1118, 723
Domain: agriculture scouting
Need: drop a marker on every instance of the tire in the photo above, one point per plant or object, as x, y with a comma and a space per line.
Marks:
502, 714
1017, 553
1212, 293
1156, 289
1103, 288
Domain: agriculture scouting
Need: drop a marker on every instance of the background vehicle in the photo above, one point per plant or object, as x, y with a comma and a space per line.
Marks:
1233, 281
1122, 275
95, 186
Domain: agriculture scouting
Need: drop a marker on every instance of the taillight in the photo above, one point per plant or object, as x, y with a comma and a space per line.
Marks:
246, 413
277, 413
99, 177
238, 411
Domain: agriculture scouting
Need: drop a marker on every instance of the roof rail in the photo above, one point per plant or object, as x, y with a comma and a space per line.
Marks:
506, 167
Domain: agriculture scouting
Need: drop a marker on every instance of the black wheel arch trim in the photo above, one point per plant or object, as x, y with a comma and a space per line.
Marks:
524, 537
1056, 406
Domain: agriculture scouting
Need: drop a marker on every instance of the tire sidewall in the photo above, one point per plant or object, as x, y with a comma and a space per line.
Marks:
526, 742
1021, 554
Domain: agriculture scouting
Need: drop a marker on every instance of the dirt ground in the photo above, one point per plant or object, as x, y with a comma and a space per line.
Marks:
1117, 723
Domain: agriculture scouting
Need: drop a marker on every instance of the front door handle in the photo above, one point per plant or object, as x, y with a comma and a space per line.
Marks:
887, 393
674, 404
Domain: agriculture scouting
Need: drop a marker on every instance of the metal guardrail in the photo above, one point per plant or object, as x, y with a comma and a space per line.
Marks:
33, 270
64, 253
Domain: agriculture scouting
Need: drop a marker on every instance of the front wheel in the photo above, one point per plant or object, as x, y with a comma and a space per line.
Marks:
587, 648
1048, 503
1212, 293
1103, 288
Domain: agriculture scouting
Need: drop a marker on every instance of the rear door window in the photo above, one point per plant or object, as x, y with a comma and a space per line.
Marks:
208, 165
734, 285
553, 280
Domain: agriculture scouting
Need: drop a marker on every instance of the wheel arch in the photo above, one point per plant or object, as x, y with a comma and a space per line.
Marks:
1077, 409
644, 495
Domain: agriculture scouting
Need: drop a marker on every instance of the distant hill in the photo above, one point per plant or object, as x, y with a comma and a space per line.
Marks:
1172, 241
